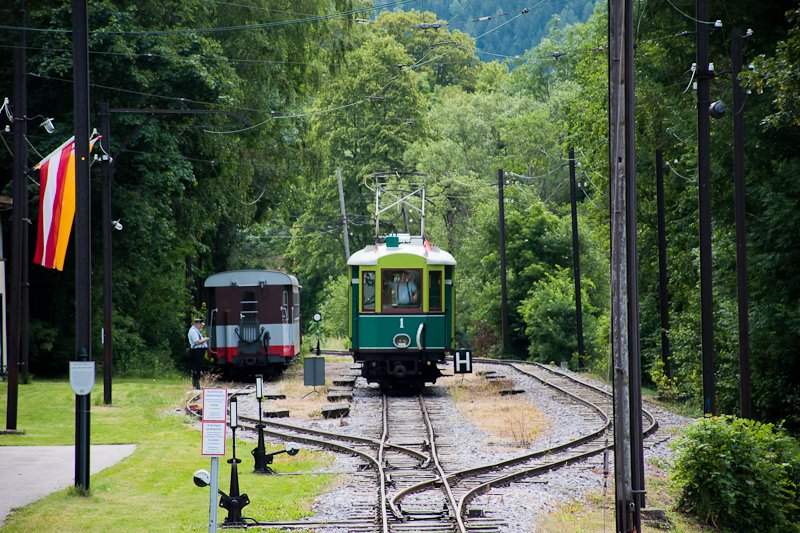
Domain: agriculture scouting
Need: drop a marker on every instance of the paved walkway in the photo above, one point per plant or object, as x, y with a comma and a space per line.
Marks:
32, 472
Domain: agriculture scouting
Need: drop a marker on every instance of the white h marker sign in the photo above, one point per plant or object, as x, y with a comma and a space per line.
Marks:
463, 362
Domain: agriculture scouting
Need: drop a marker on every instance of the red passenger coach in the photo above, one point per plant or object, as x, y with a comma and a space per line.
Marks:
253, 320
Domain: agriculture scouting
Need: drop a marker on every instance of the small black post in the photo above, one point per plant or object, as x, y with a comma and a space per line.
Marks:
576, 260
503, 281
260, 452
234, 502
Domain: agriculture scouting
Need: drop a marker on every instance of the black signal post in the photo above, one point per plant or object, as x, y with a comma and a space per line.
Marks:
260, 452
234, 502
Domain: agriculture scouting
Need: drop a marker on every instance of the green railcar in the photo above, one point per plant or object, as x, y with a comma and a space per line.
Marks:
402, 311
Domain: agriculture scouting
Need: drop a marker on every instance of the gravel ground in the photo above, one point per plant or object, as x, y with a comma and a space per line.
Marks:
519, 505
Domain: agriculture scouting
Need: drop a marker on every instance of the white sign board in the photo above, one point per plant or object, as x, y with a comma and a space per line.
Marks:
215, 403
81, 377
215, 416
214, 439
463, 362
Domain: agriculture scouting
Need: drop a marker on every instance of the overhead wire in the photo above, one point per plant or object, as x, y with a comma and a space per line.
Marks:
689, 16
148, 55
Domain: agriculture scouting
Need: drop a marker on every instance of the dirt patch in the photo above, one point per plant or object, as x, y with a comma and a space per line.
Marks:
303, 402
512, 420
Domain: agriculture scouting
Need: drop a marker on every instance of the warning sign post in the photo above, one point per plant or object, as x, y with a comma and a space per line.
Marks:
215, 416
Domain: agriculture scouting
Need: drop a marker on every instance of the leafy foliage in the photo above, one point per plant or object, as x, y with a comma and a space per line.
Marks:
298, 92
739, 475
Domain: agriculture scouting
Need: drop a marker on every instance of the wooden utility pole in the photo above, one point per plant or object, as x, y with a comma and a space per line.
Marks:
83, 232
344, 214
503, 280
703, 76
662, 265
576, 259
741, 227
20, 193
628, 460
108, 329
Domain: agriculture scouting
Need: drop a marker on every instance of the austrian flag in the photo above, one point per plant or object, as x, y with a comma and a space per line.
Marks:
56, 204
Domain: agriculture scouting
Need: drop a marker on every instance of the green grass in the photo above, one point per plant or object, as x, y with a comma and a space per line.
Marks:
151, 490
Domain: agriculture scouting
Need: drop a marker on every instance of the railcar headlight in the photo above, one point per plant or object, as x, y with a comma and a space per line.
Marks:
401, 340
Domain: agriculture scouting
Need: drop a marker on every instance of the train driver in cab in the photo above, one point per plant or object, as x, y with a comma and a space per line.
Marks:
406, 290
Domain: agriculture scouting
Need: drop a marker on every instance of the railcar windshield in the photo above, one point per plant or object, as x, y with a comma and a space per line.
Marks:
401, 289
368, 290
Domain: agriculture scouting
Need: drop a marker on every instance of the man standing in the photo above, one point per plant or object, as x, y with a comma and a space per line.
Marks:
197, 346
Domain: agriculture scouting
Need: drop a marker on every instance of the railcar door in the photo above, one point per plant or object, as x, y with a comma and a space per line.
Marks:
250, 331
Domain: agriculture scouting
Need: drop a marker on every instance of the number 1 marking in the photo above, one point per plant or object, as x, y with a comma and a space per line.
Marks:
401, 323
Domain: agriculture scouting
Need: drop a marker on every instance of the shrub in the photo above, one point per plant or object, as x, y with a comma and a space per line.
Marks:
738, 474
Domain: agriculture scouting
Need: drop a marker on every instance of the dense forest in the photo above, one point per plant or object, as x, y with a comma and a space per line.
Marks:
361, 87
507, 29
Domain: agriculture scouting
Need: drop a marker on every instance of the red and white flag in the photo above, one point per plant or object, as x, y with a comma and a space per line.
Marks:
427, 245
56, 204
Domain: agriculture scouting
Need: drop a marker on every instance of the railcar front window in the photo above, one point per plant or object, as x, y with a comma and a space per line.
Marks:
368, 291
401, 289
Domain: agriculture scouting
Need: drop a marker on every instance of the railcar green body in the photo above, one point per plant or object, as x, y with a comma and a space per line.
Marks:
402, 311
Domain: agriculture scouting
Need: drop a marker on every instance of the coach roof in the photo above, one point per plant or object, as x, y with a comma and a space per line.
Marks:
369, 255
250, 278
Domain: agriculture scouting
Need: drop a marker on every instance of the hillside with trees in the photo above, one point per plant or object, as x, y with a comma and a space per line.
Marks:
363, 88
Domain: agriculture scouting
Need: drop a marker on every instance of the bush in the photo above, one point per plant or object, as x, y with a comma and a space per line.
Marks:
738, 474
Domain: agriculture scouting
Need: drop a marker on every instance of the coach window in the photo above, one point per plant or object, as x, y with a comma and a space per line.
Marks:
368, 290
295, 306
249, 308
435, 295
401, 289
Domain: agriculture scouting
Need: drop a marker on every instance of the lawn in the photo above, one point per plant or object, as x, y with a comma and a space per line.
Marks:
151, 490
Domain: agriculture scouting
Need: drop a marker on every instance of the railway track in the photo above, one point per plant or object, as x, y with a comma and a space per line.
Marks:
594, 405
404, 482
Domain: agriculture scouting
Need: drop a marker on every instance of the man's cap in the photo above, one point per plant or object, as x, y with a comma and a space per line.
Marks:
198, 320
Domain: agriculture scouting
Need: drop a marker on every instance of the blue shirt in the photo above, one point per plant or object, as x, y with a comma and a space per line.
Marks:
194, 336
406, 291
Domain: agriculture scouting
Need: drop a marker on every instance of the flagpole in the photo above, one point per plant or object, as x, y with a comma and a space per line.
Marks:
83, 257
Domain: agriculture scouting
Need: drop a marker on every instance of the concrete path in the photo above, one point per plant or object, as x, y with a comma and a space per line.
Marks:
32, 472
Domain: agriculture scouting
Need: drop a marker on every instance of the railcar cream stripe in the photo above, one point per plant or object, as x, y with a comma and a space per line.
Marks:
393, 350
